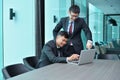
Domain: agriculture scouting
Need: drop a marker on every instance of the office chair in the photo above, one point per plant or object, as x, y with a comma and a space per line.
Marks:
31, 62
108, 56
14, 70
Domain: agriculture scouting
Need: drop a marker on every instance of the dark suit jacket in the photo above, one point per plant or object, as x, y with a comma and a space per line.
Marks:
49, 54
75, 38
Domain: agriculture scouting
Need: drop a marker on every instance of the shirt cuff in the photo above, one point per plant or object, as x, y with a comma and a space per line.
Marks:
67, 60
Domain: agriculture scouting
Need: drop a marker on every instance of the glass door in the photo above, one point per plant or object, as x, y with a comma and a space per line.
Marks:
54, 10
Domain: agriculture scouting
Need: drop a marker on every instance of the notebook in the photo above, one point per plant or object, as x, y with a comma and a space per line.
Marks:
86, 56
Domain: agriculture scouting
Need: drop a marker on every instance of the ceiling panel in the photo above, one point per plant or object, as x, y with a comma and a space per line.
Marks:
107, 6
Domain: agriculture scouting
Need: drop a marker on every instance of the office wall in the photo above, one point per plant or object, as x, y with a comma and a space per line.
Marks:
57, 8
19, 33
1, 58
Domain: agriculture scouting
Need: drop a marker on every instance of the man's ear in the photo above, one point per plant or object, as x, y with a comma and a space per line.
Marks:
68, 12
58, 36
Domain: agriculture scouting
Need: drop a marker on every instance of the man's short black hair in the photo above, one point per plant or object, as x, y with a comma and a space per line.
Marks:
74, 9
63, 33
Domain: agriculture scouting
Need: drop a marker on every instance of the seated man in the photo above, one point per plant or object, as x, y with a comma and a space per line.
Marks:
53, 51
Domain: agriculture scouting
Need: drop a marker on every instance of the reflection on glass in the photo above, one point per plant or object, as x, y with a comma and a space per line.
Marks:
96, 23
113, 28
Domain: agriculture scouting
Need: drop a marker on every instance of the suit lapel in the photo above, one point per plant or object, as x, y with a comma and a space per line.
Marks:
66, 23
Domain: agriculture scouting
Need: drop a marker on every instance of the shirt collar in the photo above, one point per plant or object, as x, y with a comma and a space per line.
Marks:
58, 47
70, 22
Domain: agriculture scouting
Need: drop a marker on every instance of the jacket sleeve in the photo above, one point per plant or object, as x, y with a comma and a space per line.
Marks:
51, 56
57, 28
86, 30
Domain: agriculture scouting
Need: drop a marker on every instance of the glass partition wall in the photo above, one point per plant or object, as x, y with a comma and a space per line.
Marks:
104, 27
96, 22
94, 19
112, 27
53, 13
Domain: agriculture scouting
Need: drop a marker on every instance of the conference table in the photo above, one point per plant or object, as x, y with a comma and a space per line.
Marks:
97, 70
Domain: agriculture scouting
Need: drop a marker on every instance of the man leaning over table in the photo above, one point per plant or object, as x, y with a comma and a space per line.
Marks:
53, 51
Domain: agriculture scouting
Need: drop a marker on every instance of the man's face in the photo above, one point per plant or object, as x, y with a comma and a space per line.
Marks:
61, 41
73, 16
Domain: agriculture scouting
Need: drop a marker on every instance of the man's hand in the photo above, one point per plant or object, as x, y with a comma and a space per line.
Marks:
73, 57
89, 44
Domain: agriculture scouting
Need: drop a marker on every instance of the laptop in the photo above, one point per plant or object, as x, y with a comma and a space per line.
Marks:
86, 56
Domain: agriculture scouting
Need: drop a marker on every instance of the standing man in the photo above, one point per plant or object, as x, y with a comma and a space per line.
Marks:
73, 25
53, 51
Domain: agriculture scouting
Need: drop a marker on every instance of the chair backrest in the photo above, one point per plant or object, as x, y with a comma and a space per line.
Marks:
14, 70
31, 62
108, 56
118, 42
